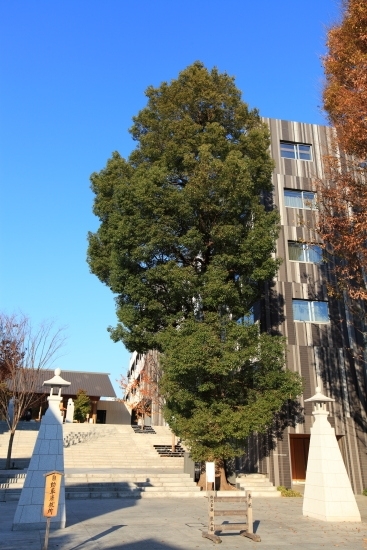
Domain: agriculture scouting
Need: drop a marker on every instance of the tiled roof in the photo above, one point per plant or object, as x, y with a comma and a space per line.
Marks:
96, 384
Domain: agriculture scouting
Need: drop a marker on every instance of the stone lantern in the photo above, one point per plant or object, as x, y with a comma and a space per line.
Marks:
328, 493
48, 456
54, 399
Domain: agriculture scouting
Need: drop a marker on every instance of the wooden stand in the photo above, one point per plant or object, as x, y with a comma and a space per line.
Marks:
246, 529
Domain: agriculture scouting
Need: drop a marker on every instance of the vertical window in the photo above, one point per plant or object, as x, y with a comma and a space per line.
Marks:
299, 151
310, 311
299, 199
309, 253
252, 316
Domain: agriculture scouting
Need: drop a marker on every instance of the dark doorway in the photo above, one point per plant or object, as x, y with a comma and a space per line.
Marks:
299, 444
101, 417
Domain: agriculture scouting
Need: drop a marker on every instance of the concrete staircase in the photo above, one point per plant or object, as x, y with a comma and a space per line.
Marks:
117, 446
104, 461
23, 443
11, 485
110, 485
258, 484
130, 485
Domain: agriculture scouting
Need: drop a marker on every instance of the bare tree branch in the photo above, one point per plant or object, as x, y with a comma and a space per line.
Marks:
24, 351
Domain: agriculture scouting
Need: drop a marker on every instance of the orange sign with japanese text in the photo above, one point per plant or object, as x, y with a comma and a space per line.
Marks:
52, 493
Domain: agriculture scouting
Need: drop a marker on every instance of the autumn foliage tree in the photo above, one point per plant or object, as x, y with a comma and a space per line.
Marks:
342, 194
345, 92
342, 223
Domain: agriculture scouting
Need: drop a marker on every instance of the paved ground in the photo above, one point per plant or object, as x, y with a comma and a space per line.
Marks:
176, 524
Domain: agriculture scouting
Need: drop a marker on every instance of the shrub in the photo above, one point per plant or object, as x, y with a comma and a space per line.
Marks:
288, 492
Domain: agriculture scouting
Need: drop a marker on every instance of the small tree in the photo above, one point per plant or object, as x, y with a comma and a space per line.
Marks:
222, 382
81, 406
24, 351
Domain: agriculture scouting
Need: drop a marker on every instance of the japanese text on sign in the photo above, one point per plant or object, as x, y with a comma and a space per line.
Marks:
52, 493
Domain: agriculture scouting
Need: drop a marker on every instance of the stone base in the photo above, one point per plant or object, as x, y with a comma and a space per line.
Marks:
339, 519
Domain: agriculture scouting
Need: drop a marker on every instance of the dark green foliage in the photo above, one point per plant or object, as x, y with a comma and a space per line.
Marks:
81, 406
185, 244
223, 381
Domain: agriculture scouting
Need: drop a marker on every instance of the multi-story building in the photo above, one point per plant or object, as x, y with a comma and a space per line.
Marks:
325, 338
141, 391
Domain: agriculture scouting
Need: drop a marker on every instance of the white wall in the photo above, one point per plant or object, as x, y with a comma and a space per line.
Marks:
116, 412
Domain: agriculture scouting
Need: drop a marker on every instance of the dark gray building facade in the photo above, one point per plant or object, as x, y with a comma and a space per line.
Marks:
325, 337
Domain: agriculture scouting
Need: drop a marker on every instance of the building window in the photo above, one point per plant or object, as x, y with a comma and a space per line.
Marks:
309, 253
299, 199
311, 312
299, 151
252, 316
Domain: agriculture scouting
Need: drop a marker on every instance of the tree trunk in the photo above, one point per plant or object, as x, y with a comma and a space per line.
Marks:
202, 483
223, 483
10, 446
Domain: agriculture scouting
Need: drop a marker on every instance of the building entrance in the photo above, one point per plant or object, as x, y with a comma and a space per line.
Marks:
101, 417
299, 444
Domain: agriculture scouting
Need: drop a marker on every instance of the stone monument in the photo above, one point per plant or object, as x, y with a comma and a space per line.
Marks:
48, 455
328, 493
70, 411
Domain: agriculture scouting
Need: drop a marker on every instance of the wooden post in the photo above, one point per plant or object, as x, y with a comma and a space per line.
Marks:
249, 533
51, 500
45, 546
211, 526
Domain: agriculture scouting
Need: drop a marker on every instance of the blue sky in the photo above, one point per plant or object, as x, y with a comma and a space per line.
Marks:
72, 75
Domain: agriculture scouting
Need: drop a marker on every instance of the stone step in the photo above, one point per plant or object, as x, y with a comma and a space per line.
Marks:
253, 476
172, 494
254, 483
83, 495
168, 488
258, 485
252, 489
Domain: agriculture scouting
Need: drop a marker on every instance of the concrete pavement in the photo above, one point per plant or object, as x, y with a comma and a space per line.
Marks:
176, 524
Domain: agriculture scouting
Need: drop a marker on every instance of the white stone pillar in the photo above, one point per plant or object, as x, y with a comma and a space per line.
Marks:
70, 411
328, 493
48, 455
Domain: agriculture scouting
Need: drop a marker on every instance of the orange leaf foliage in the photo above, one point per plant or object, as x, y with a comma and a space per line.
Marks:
342, 221
345, 93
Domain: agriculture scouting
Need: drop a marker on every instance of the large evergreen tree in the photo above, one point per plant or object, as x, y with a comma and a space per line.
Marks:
186, 244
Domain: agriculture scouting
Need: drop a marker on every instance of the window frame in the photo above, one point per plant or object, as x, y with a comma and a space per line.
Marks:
296, 148
303, 199
311, 311
306, 247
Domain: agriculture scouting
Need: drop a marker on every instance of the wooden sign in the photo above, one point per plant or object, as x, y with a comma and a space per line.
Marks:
52, 493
